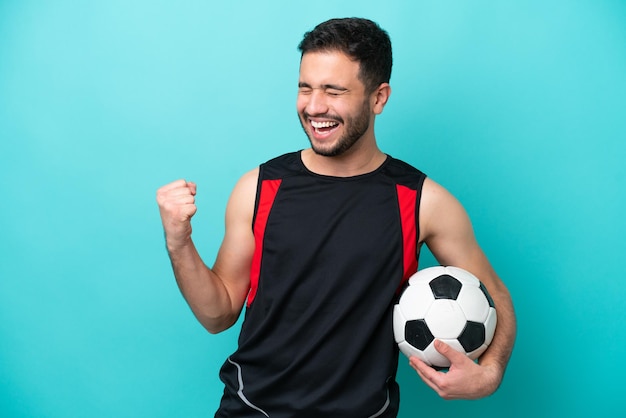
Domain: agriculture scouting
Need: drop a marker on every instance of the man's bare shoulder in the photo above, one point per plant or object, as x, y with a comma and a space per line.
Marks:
439, 209
242, 198
248, 181
435, 197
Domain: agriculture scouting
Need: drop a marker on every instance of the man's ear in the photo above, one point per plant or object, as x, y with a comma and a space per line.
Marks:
380, 97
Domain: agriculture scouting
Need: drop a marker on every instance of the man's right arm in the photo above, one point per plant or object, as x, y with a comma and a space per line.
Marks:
215, 295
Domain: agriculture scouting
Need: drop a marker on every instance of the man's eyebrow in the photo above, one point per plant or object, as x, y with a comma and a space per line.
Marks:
302, 84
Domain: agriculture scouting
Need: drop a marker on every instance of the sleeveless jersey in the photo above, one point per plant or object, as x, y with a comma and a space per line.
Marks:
331, 255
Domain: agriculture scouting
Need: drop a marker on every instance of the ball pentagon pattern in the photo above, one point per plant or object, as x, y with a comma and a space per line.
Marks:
445, 303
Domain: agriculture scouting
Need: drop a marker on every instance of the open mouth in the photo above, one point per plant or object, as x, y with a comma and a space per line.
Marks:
325, 127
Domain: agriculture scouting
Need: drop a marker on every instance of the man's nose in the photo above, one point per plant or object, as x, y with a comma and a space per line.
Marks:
317, 104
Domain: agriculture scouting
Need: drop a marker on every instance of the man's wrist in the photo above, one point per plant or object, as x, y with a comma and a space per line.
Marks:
175, 246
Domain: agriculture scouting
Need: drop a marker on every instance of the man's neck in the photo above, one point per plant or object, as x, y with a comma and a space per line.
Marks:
350, 164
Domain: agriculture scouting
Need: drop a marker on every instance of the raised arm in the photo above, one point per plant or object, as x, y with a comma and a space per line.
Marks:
215, 295
447, 231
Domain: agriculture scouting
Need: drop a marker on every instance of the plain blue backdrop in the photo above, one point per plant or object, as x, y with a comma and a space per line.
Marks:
518, 108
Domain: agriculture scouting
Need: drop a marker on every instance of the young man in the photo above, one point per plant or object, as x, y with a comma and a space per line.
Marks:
318, 243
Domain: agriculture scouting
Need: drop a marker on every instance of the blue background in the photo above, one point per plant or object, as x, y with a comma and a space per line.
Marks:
518, 108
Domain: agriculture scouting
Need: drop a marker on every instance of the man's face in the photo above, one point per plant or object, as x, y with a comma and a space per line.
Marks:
332, 104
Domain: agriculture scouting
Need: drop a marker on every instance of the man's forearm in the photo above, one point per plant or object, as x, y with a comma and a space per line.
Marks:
202, 289
499, 351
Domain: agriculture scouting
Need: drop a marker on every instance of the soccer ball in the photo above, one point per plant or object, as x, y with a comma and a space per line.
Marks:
448, 304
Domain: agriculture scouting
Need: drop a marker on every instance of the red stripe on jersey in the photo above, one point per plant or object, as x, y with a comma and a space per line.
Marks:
407, 200
269, 189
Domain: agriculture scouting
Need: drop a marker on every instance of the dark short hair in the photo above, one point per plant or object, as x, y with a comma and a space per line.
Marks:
361, 39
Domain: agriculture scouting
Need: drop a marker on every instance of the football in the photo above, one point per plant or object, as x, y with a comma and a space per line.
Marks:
445, 303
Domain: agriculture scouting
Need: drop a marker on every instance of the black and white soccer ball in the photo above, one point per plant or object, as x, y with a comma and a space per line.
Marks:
445, 303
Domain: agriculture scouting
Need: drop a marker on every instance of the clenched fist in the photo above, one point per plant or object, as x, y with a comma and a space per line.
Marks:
177, 205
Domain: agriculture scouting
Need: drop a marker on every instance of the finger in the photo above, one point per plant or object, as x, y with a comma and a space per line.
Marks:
178, 192
174, 188
426, 372
173, 185
180, 200
192, 187
450, 353
187, 211
429, 375
174, 191
178, 213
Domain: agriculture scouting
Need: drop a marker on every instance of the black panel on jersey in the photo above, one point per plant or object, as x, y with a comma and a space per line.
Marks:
317, 339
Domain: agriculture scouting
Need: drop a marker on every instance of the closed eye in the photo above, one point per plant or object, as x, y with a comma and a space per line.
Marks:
304, 88
334, 92
329, 89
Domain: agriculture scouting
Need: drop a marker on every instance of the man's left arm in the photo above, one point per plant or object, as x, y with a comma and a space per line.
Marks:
447, 231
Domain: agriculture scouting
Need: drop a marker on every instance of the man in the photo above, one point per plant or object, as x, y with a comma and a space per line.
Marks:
318, 243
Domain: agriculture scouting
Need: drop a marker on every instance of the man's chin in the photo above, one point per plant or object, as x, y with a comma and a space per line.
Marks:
325, 151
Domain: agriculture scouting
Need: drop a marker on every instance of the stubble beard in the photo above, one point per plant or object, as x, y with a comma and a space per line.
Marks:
355, 129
